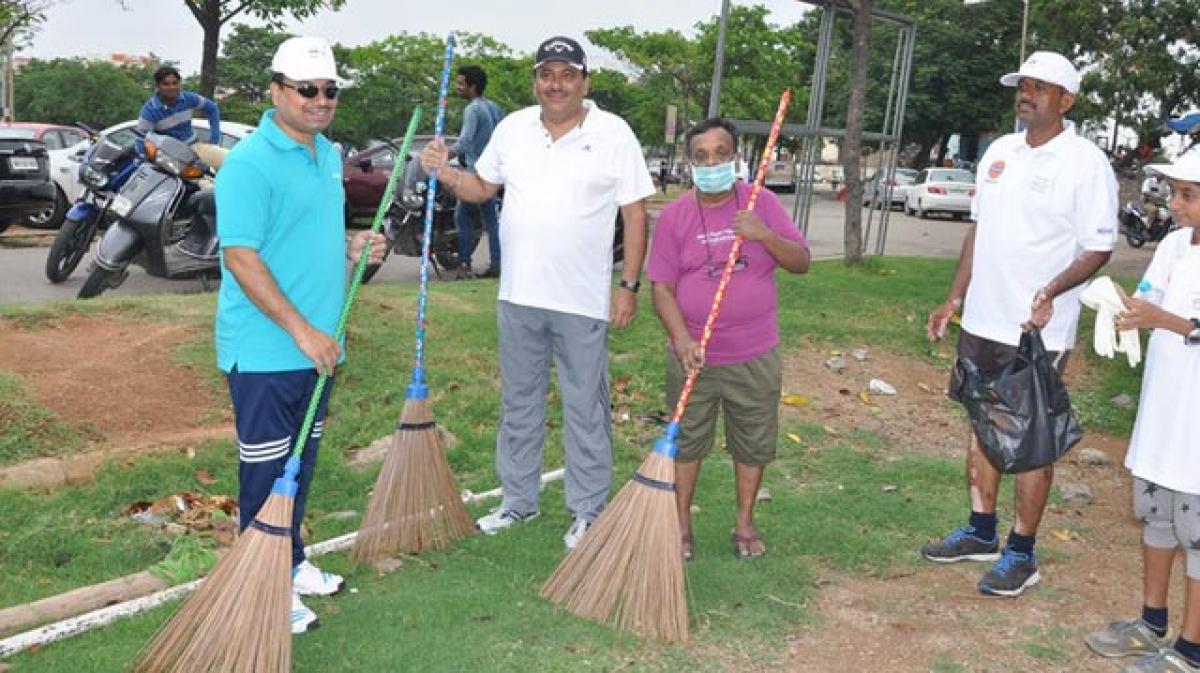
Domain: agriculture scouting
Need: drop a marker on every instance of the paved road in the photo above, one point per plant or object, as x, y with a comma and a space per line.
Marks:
22, 279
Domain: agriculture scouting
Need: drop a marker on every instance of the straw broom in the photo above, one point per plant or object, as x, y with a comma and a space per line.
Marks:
627, 570
416, 505
237, 621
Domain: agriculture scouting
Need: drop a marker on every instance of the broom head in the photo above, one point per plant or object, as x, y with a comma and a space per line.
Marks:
238, 620
627, 570
416, 505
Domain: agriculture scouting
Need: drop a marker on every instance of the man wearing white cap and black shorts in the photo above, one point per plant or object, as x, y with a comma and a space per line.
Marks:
283, 270
1045, 212
567, 167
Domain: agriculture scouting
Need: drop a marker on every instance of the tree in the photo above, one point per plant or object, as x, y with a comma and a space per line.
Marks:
852, 151
66, 91
20, 16
245, 67
212, 15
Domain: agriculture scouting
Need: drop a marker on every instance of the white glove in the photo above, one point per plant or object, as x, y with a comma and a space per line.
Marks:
1102, 296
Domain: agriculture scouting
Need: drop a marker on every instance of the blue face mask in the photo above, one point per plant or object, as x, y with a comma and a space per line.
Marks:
714, 179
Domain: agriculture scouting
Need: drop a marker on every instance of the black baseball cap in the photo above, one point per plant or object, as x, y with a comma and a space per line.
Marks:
561, 48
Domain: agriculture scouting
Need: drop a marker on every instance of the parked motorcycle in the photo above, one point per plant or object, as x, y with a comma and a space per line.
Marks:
404, 225
103, 171
1139, 228
165, 221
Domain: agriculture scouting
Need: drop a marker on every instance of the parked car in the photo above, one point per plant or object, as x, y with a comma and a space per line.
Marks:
941, 190
365, 175
64, 164
876, 187
56, 138
25, 186
781, 176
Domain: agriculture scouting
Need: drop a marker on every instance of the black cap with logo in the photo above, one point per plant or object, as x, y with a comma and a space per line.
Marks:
561, 48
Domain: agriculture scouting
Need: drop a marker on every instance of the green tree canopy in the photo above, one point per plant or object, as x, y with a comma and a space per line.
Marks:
65, 91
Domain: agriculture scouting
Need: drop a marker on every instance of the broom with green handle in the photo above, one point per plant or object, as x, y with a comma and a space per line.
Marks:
238, 620
628, 569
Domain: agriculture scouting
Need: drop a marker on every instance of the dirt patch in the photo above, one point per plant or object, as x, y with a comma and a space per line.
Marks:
114, 380
917, 416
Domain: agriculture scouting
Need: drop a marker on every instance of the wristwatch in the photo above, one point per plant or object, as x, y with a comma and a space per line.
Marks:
1193, 337
633, 286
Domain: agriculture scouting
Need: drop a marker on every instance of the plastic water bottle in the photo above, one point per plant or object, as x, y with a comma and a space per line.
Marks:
1147, 291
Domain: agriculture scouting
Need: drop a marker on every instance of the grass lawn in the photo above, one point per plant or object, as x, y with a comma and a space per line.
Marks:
475, 605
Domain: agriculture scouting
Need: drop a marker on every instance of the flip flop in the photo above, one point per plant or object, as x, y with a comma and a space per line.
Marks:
742, 545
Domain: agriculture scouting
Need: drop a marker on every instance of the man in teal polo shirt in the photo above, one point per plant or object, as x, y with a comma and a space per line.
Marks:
283, 264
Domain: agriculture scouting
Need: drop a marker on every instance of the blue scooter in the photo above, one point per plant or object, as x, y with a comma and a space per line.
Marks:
105, 168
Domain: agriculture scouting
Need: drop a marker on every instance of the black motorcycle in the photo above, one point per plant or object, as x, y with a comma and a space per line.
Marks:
103, 171
165, 221
404, 224
1138, 227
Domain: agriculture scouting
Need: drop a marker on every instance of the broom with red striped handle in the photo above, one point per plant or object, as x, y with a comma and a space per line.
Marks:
628, 569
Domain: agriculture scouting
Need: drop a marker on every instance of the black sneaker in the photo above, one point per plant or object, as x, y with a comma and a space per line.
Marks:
961, 544
1013, 573
492, 271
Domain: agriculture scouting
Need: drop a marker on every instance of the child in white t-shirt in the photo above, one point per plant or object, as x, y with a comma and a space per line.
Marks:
1164, 450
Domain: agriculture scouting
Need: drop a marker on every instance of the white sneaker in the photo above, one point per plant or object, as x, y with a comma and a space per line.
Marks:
575, 532
309, 580
500, 518
303, 619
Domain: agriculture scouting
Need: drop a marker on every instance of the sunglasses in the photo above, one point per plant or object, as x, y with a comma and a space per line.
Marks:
715, 270
309, 90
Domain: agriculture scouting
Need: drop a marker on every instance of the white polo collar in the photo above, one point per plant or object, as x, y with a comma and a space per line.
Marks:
1057, 145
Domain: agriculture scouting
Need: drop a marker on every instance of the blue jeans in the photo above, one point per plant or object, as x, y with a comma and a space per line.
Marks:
464, 215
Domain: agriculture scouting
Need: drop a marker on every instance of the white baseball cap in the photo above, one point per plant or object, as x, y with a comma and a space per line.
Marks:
1047, 66
1186, 168
305, 59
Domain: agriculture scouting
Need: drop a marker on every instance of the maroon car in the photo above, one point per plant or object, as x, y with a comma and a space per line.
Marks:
365, 176
53, 137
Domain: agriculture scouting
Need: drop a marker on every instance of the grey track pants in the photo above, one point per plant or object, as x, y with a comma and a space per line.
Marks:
529, 337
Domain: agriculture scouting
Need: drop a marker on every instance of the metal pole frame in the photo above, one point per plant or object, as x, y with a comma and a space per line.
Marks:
714, 96
812, 132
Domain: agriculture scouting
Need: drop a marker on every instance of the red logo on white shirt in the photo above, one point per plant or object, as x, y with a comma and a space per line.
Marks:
996, 169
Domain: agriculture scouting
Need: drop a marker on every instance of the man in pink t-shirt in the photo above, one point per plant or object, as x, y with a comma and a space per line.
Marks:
742, 373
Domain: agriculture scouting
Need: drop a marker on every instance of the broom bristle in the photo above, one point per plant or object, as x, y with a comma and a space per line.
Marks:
627, 570
416, 505
238, 620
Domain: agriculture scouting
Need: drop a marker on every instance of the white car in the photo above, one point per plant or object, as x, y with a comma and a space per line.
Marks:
900, 183
64, 163
941, 190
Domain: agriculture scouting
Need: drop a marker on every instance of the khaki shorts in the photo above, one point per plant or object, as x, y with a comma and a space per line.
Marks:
748, 395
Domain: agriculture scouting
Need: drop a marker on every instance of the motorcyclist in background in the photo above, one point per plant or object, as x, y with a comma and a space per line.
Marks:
169, 111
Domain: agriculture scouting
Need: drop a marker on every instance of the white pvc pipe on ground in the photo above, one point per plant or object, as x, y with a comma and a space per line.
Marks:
104, 616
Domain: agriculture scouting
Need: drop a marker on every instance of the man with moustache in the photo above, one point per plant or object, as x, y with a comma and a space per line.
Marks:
567, 167
283, 269
1045, 210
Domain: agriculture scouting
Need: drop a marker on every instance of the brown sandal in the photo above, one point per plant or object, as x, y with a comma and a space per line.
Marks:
686, 543
743, 545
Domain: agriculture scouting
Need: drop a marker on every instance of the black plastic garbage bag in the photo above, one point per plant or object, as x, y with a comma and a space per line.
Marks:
1022, 414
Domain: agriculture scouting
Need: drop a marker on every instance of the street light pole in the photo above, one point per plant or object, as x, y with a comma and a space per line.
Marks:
714, 96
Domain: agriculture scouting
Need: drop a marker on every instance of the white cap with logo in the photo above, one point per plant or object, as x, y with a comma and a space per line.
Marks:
1047, 66
305, 59
1186, 167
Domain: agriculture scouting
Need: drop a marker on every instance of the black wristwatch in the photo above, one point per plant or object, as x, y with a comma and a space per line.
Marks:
632, 286
1192, 338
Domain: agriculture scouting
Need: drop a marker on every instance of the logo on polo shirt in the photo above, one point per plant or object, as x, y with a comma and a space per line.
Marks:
995, 170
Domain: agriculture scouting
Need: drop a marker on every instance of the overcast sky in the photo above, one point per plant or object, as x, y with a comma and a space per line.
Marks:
92, 28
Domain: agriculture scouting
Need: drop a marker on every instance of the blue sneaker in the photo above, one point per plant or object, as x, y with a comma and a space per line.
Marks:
961, 544
1013, 573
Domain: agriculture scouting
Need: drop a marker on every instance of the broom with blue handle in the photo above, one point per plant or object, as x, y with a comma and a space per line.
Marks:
416, 505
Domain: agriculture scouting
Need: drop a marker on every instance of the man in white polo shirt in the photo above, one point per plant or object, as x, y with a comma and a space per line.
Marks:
1045, 209
567, 167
